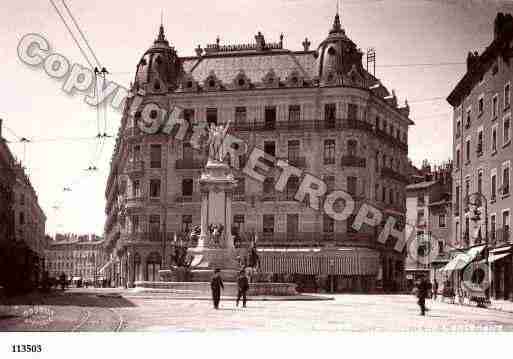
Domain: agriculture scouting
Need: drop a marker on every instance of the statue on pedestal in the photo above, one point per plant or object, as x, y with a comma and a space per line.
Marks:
216, 232
216, 135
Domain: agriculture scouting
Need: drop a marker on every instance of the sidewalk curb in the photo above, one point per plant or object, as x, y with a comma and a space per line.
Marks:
253, 299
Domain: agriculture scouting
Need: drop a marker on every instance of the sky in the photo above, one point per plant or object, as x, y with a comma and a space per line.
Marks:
62, 128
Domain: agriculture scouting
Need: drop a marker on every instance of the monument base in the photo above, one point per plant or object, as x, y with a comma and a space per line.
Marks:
213, 258
230, 289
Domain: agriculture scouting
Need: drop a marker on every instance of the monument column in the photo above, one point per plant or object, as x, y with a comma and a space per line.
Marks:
204, 217
228, 219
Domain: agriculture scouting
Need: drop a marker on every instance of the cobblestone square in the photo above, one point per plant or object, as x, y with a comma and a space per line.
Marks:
121, 310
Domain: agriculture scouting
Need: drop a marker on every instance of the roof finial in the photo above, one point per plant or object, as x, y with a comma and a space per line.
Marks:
337, 27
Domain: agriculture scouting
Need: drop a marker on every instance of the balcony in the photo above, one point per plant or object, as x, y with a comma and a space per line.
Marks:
134, 167
388, 172
307, 239
190, 164
134, 202
299, 162
132, 132
196, 197
352, 161
269, 197
318, 125
142, 236
239, 197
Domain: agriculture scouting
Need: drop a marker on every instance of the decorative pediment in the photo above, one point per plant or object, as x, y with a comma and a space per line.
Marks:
295, 79
271, 80
189, 84
212, 83
354, 78
332, 78
241, 81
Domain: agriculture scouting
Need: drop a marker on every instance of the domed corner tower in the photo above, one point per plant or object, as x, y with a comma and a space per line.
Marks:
159, 69
339, 61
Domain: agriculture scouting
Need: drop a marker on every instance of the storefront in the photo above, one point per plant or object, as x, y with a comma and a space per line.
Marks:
334, 270
500, 260
453, 273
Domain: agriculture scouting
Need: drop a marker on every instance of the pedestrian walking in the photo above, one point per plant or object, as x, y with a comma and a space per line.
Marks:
243, 286
62, 279
435, 289
422, 293
216, 284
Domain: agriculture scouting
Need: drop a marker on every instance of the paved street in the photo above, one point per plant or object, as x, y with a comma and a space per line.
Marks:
100, 310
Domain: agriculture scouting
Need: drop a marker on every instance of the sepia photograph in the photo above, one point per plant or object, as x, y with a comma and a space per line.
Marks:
240, 168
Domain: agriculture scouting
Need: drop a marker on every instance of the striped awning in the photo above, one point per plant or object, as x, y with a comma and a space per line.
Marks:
339, 263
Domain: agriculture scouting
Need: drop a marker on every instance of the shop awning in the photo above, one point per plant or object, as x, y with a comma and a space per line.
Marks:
495, 257
501, 249
462, 259
350, 262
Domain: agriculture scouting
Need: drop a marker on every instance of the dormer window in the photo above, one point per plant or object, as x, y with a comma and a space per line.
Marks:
270, 79
331, 51
158, 60
156, 85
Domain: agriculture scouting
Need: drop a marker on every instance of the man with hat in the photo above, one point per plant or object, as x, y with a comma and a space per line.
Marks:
216, 284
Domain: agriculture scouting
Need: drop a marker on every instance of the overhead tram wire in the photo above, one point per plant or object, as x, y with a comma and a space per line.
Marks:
72, 35
81, 33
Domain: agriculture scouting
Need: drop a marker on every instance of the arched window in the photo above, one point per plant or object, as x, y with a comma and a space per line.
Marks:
153, 264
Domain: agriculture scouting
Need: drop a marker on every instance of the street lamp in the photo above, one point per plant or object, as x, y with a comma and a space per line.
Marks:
476, 216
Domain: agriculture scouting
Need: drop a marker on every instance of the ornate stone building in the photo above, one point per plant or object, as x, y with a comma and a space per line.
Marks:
75, 256
318, 109
482, 153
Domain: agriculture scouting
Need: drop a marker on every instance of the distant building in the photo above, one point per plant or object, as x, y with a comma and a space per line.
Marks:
429, 211
77, 256
483, 154
320, 110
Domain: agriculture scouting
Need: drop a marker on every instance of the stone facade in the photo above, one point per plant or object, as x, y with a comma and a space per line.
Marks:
75, 256
482, 148
429, 211
320, 110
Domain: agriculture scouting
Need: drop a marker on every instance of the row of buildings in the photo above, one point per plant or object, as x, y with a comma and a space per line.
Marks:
22, 224
468, 204
482, 153
319, 109
78, 257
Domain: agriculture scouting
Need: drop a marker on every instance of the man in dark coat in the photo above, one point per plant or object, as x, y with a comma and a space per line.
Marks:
422, 293
216, 284
62, 280
243, 285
